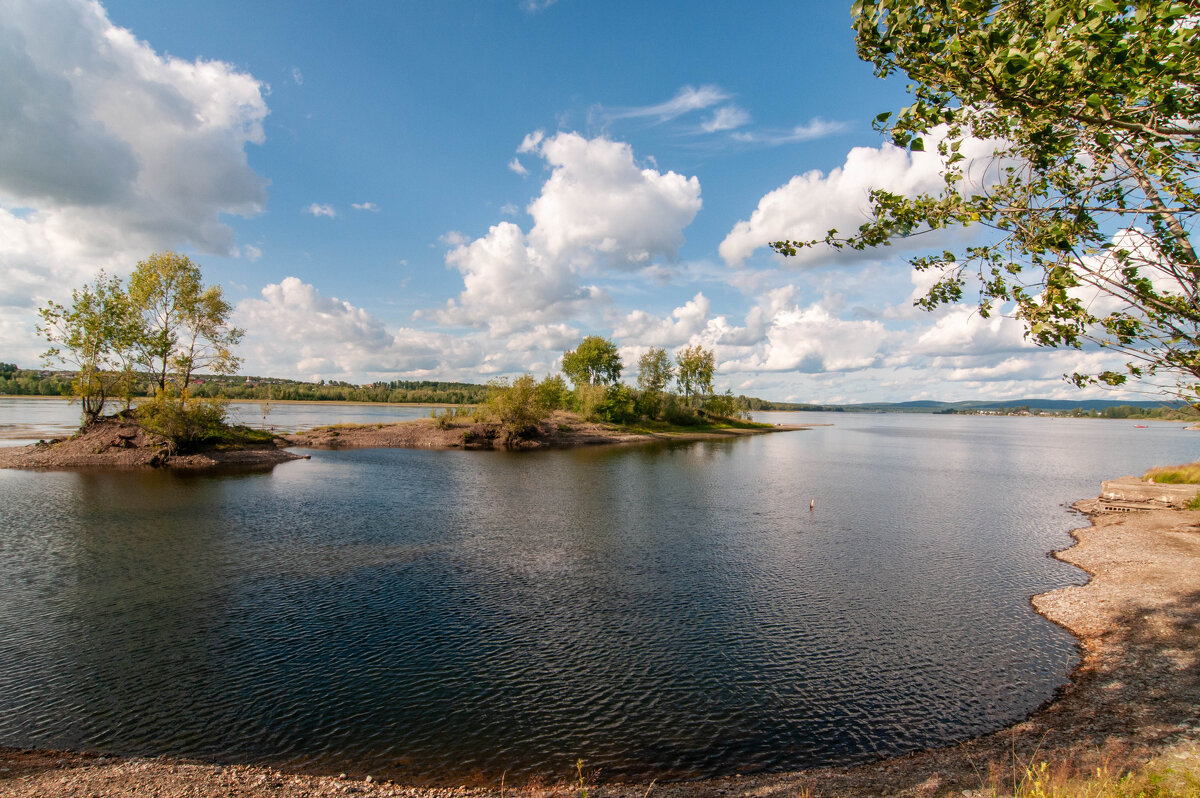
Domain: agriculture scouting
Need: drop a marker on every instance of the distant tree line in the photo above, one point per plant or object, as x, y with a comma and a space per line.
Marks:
396, 391
15, 381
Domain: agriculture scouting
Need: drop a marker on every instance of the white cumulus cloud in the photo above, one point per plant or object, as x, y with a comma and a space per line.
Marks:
110, 150
295, 331
599, 202
598, 210
811, 204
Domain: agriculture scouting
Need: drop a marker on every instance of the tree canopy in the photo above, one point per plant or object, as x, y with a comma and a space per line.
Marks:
184, 325
655, 370
96, 335
1085, 210
696, 368
166, 322
594, 362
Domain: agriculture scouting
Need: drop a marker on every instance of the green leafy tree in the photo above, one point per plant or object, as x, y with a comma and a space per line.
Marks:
185, 325
695, 374
1087, 208
95, 336
518, 406
594, 362
553, 394
655, 372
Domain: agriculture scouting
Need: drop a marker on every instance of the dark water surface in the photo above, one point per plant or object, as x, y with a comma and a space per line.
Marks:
658, 611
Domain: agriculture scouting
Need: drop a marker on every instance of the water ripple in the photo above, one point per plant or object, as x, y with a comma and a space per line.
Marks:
667, 611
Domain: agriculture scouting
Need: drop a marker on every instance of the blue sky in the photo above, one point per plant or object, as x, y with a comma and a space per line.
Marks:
462, 190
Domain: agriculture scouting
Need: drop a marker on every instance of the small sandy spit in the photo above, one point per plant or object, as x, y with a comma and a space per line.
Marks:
1135, 697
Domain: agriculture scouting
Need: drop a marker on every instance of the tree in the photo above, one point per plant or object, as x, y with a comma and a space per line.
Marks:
1093, 107
594, 362
96, 335
695, 375
655, 370
184, 325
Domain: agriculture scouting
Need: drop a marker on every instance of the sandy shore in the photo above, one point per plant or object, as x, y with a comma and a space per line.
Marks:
1134, 698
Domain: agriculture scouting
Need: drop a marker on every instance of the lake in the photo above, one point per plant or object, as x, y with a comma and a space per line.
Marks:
670, 610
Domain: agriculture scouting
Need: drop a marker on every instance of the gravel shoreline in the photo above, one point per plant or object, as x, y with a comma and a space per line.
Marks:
1135, 697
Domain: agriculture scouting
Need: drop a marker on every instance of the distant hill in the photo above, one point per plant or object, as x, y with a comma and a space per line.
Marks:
929, 406
932, 406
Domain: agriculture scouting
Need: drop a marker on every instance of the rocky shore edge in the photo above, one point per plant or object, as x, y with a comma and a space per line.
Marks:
118, 442
1134, 699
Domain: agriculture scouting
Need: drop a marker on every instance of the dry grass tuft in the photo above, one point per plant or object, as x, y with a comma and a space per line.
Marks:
1188, 474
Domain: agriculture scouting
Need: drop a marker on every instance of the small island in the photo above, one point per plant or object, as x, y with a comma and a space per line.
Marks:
560, 430
143, 344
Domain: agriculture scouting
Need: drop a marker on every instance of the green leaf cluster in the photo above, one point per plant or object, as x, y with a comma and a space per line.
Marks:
1087, 208
697, 366
595, 361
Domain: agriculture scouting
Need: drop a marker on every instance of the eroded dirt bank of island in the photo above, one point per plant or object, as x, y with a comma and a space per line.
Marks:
118, 442
1134, 698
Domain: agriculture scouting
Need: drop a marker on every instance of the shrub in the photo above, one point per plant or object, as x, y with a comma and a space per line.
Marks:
619, 404
553, 393
676, 412
589, 401
726, 405
516, 406
186, 423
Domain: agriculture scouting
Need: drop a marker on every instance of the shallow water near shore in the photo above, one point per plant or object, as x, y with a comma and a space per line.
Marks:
659, 611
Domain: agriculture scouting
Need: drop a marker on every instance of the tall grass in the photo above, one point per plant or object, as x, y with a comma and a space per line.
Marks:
1043, 781
1187, 474
1177, 778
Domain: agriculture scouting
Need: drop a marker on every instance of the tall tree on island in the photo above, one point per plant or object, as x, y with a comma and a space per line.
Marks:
97, 335
655, 373
594, 362
185, 325
695, 374
1087, 208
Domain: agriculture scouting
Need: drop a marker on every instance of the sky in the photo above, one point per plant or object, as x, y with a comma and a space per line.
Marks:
464, 189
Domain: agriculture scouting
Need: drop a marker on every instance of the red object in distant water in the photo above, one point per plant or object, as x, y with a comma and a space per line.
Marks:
1141, 426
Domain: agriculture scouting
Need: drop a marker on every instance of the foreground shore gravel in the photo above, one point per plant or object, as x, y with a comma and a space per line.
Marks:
1134, 698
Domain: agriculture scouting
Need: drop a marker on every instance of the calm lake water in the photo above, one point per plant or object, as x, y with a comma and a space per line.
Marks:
659, 611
